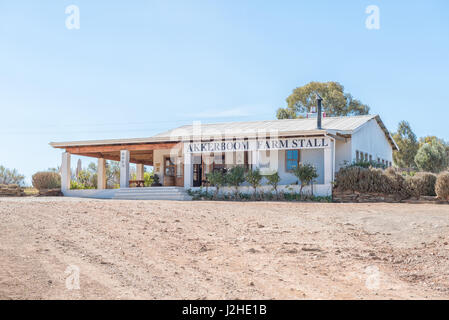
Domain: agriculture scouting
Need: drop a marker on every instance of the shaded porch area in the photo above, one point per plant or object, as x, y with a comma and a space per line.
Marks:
139, 154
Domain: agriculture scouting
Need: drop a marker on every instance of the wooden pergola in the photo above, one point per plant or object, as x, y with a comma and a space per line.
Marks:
125, 151
141, 153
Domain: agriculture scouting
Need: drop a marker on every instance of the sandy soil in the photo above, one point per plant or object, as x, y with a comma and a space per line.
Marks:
216, 250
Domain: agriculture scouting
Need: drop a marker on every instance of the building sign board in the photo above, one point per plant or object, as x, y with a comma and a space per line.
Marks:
254, 145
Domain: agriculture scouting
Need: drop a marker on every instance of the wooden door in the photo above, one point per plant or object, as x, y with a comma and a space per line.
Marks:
169, 172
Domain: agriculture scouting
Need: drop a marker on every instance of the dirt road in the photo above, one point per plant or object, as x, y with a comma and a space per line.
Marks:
216, 250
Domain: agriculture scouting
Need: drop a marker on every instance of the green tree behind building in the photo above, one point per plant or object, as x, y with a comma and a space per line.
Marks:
336, 102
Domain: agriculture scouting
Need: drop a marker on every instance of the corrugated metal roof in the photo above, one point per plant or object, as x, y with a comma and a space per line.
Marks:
248, 129
344, 125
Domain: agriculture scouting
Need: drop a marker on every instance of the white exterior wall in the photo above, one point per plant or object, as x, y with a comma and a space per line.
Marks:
316, 158
158, 162
124, 168
371, 139
91, 193
312, 156
343, 153
66, 172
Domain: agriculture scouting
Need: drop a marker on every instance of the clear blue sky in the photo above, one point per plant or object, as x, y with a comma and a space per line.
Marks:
136, 68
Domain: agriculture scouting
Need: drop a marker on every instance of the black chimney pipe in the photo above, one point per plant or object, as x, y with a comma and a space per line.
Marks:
318, 121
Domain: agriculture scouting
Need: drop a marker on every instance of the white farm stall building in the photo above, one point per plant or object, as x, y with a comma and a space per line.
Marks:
182, 157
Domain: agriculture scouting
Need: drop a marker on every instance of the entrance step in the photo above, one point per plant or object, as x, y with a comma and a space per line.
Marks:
152, 193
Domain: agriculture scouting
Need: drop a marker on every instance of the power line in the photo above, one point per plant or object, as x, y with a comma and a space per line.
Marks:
146, 123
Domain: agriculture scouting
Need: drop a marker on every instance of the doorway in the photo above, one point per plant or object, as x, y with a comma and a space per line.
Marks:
197, 171
169, 172
197, 174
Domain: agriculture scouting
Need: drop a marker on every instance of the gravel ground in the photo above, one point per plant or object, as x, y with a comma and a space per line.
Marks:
221, 250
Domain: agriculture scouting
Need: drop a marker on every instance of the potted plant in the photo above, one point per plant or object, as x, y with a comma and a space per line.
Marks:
156, 182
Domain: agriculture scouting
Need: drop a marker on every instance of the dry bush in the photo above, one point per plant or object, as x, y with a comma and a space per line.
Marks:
428, 182
422, 184
371, 180
442, 186
347, 178
396, 183
46, 180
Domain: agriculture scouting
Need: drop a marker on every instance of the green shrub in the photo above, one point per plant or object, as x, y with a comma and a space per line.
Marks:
199, 194
253, 177
75, 185
148, 179
244, 196
46, 180
268, 196
305, 173
88, 179
273, 180
216, 179
442, 186
235, 177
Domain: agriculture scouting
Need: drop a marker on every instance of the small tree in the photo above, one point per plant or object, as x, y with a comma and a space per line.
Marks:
8, 176
336, 102
305, 173
87, 179
235, 177
432, 157
217, 180
253, 177
112, 173
273, 180
408, 146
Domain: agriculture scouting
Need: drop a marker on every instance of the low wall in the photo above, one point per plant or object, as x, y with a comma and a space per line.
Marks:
351, 197
11, 191
50, 193
322, 190
90, 193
